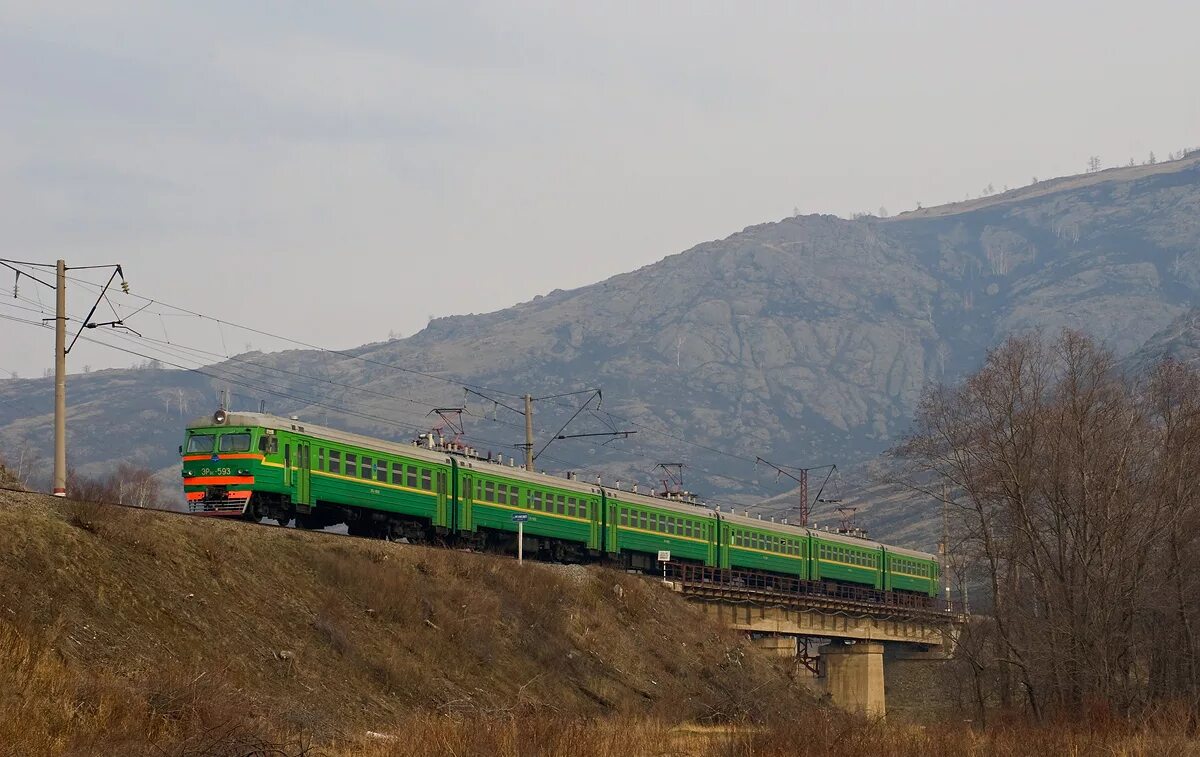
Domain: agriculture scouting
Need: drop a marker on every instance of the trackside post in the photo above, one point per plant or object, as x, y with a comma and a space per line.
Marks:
519, 519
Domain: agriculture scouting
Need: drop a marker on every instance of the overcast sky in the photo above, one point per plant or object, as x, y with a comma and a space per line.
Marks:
337, 171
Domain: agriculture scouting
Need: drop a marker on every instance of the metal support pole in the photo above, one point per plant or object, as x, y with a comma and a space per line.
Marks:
60, 382
945, 548
528, 432
520, 542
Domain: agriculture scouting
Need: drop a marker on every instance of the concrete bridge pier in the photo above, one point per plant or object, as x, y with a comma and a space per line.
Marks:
779, 645
853, 676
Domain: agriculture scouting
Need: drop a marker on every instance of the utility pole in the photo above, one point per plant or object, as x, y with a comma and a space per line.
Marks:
60, 380
530, 455
62, 348
945, 547
529, 432
801, 478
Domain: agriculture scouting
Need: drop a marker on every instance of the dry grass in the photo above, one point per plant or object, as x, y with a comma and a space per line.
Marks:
133, 632
812, 731
136, 632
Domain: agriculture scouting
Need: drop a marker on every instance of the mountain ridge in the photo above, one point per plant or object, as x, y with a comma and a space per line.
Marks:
807, 340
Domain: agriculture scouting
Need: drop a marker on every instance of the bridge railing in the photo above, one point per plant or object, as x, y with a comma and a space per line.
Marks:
747, 584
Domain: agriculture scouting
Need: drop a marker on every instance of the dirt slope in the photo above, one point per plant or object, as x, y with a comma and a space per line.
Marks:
128, 631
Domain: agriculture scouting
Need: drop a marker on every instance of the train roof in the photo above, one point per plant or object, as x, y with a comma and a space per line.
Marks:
275, 422
264, 420
682, 507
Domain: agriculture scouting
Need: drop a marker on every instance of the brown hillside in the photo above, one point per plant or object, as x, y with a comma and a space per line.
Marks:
127, 631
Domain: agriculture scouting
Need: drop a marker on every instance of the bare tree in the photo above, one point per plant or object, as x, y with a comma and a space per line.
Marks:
1094, 164
1071, 490
127, 485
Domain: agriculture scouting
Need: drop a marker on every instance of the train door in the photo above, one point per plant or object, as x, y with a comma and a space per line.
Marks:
713, 559
303, 474
465, 498
287, 465
441, 517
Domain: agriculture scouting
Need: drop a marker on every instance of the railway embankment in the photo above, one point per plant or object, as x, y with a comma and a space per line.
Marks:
136, 630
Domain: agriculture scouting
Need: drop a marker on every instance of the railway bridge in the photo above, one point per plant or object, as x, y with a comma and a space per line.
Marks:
848, 628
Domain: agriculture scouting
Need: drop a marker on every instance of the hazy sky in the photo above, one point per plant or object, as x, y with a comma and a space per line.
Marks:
336, 171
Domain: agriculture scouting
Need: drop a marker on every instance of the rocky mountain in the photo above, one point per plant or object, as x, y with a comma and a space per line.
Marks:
806, 341
1179, 340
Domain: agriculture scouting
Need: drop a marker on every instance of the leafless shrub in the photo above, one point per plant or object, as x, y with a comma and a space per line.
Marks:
127, 485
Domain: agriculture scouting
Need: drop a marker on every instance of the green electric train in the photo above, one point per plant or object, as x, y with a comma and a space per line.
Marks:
255, 465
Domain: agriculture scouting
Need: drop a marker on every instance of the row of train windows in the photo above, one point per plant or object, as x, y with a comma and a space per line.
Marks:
666, 524
767, 543
503, 494
575, 507
542, 502
842, 554
371, 469
912, 567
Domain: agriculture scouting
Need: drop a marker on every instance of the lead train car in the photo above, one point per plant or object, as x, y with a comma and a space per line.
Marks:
256, 465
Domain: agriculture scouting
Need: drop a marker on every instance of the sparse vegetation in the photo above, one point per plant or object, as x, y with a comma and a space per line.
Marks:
127, 485
130, 631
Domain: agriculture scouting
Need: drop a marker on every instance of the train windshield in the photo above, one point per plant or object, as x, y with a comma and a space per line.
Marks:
235, 442
200, 443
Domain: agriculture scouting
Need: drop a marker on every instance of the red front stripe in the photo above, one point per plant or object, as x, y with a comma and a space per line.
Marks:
217, 480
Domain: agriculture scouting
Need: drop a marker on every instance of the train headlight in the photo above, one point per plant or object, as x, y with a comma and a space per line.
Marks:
219, 417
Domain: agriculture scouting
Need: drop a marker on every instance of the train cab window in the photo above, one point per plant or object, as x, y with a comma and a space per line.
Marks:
427, 479
366, 467
235, 442
201, 443
335, 461
397, 474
